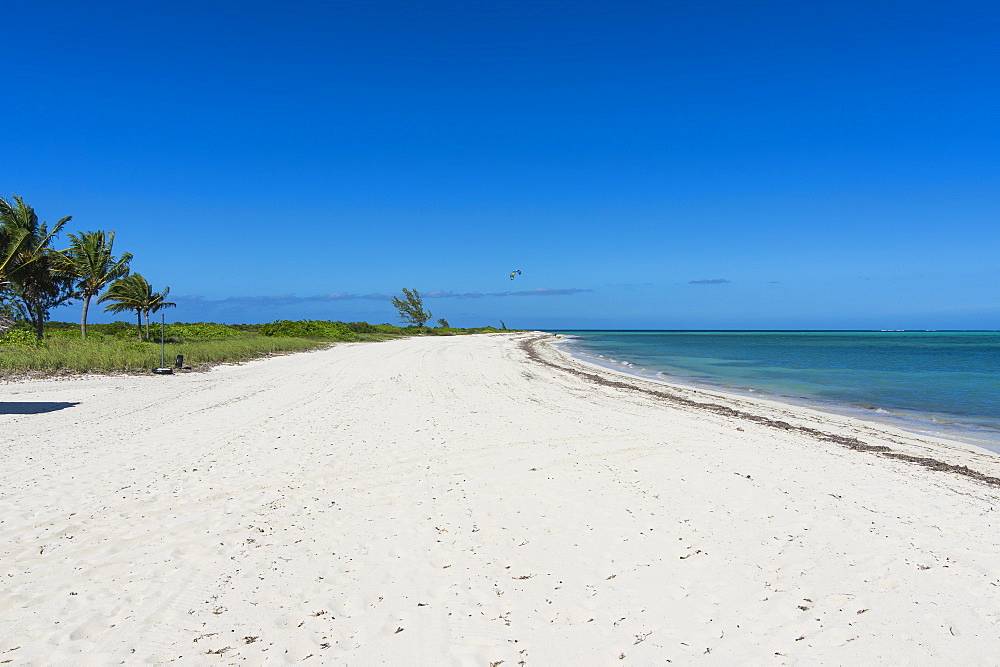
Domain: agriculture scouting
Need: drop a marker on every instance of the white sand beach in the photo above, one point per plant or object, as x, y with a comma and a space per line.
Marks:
478, 500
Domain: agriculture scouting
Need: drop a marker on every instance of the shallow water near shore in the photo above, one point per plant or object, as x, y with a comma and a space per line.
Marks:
943, 383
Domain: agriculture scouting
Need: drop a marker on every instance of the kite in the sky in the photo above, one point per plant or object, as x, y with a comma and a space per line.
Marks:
515, 272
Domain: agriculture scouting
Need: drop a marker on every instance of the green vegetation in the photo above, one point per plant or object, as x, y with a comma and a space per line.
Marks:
29, 285
391, 329
133, 292
116, 347
35, 277
178, 332
20, 338
309, 329
411, 309
332, 331
91, 262
106, 354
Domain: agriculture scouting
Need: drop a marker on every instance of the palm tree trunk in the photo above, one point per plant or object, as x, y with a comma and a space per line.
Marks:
138, 317
83, 318
39, 323
147, 323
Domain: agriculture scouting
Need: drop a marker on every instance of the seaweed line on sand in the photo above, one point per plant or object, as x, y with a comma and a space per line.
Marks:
530, 348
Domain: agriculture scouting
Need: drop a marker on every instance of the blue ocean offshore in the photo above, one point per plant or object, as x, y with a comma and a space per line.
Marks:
945, 383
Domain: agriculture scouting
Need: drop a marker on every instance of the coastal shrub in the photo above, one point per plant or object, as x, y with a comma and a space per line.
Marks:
309, 329
116, 329
246, 328
198, 331
71, 330
19, 338
361, 327
389, 329
65, 333
53, 326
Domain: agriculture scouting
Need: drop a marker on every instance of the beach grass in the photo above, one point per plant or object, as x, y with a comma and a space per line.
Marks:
109, 354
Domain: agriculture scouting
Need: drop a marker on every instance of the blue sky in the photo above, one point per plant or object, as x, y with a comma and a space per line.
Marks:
771, 164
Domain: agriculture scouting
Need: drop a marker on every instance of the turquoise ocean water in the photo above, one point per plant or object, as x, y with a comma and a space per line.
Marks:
945, 383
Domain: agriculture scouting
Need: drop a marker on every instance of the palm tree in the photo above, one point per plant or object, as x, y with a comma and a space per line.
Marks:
128, 293
12, 239
11, 242
134, 292
90, 260
27, 259
22, 240
156, 304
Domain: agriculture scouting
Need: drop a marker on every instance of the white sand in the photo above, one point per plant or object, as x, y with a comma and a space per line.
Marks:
449, 501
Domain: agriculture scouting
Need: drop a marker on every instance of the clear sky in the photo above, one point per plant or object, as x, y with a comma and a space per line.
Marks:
671, 164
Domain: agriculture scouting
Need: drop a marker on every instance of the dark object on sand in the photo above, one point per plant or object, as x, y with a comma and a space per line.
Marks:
179, 361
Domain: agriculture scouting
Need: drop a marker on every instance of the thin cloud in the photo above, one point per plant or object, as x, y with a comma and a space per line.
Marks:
292, 299
543, 291
538, 291
712, 281
278, 300
442, 294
